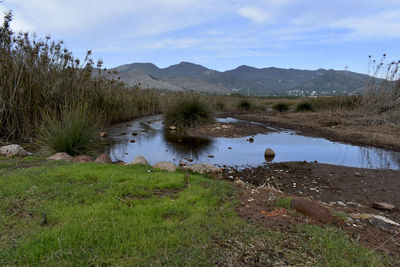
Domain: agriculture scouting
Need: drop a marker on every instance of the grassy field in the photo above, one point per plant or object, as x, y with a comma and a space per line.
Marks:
65, 214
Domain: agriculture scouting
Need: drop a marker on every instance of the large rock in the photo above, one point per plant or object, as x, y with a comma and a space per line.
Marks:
165, 165
82, 158
383, 206
103, 158
313, 209
203, 168
14, 150
139, 160
269, 153
61, 156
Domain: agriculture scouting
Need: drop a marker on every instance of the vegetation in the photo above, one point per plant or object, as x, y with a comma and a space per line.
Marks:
245, 104
281, 106
58, 213
74, 133
40, 77
188, 111
219, 105
304, 106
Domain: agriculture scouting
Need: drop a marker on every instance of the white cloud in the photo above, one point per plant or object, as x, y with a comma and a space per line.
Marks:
255, 14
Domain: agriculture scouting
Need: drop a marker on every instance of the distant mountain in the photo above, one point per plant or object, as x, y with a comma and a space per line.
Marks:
245, 80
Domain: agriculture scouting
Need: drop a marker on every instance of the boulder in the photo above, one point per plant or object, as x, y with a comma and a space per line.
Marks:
61, 156
139, 160
14, 150
82, 158
165, 165
103, 134
203, 168
313, 209
383, 206
103, 158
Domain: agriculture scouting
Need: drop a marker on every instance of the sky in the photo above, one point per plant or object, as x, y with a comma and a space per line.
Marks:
219, 34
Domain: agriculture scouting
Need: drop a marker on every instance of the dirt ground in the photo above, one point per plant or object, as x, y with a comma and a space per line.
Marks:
342, 189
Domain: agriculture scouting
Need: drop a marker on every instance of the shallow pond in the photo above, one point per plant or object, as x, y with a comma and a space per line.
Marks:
155, 144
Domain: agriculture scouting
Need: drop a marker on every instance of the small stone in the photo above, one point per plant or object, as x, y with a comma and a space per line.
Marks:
165, 165
82, 159
139, 160
14, 150
103, 158
357, 174
229, 147
210, 156
383, 206
251, 139
182, 163
203, 168
61, 156
132, 141
123, 133
103, 134
134, 134
172, 128
269, 153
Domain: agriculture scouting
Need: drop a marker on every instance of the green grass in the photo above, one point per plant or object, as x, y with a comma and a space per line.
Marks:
137, 216
304, 107
281, 106
188, 112
245, 104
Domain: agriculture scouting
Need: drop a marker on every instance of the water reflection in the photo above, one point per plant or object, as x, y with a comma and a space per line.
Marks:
155, 144
186, 146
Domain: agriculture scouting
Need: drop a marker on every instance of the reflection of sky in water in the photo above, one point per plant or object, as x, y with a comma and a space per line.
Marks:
288, 147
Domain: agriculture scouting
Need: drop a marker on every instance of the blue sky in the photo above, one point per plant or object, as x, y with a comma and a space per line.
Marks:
219, 34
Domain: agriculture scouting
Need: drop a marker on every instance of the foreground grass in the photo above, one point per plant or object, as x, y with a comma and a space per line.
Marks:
132, 215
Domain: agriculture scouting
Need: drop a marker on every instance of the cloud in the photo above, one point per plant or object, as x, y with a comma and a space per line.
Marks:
254, 14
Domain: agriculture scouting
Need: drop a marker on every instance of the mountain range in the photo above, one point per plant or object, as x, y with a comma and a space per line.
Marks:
244, 80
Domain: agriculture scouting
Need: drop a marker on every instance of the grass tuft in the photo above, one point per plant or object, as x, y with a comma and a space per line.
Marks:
281, 106
304, 106
73, 132
245, 104
188, 112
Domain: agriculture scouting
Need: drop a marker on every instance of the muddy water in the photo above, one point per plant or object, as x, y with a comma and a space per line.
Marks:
155, 144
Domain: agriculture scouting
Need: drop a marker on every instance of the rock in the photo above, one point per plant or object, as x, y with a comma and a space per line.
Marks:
172, 128
103, 134
165, 165
251, 139
203, 168
210, 156
229, 147
134, 134
14, 150
313, 209
82, 158
379, 221
61, 156
383, 206
139, 160
269, 153
182, 163
132, 141
103, 158
123, 133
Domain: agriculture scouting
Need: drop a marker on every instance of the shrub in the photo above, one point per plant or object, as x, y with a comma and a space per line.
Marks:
304, 106
219, 106
281, 106
74, 131
244, 105
188, 111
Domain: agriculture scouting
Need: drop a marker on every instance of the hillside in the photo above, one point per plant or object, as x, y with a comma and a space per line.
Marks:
244, 79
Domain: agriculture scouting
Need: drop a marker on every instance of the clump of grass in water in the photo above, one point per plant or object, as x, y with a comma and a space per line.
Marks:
188, 112
73, 132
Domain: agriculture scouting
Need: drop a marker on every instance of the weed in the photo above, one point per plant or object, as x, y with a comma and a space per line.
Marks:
188, 111
245, 104
304, 106
281, 106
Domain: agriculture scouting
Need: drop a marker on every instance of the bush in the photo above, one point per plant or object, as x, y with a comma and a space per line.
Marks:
281, 106
245, 105
219, 106
188, 111
74, 131
304, 106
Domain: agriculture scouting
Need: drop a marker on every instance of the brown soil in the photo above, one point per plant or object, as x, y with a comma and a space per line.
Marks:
348, 127
231, 130
350, 190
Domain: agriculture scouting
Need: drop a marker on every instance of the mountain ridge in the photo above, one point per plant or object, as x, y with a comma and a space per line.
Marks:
247, 80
